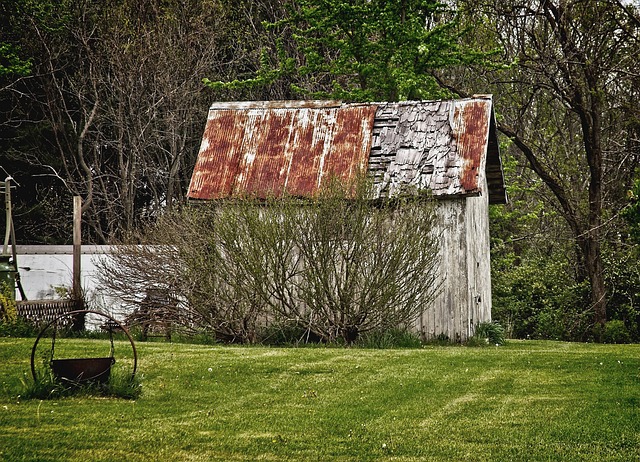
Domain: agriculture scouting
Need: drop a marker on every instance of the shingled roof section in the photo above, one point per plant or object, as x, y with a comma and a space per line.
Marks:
266, 148
447, 147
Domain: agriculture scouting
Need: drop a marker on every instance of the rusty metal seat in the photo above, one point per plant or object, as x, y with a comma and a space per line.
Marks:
79, 371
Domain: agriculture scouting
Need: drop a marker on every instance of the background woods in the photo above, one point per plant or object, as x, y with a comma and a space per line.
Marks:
106, 100
113, 106
567, 83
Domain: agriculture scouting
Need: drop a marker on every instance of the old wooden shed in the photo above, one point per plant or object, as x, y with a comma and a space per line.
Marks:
448, 147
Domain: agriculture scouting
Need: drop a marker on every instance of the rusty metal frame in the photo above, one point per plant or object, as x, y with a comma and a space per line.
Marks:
79, 312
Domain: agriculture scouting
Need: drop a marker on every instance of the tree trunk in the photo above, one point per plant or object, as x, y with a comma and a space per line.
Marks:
595, 271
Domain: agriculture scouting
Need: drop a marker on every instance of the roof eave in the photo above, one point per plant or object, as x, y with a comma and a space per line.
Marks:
494, 171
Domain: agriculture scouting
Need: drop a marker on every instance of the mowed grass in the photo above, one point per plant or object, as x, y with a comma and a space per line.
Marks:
523, 401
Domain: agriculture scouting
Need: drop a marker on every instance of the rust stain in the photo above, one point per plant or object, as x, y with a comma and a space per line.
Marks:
351, 144
308, 155
266, 151
219, 156
263, 162
471, 131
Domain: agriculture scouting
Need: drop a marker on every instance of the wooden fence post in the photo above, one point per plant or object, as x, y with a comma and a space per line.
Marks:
78, 324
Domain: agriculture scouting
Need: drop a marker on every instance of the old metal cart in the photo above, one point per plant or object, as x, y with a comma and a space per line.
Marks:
77, 371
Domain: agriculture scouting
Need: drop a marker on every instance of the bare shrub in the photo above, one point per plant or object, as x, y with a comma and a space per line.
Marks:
337, 265
174, 257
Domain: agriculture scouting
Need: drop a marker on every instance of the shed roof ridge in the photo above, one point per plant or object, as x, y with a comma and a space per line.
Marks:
320, 103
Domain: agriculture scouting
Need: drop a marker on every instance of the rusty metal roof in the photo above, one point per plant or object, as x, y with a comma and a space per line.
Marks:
264, 149
267, 148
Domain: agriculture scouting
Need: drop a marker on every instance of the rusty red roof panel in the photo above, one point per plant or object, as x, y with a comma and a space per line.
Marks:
353, 136
263, 166
477, 145
471, 135
219, 158
266, 150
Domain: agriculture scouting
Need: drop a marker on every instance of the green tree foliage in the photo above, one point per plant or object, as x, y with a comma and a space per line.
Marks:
534, 287
14, 61
536, 290
632, 213
623, 271
11, 63
363, 50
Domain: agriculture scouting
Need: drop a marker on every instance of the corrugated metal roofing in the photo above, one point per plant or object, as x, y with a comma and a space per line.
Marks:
265, 148
261, 150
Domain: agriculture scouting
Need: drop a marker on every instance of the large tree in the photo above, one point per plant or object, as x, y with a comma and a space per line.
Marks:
567, 99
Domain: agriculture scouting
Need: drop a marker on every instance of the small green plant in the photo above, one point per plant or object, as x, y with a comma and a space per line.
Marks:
8, 309
122, 384
615, 331
488, 333
45, 386
12, 325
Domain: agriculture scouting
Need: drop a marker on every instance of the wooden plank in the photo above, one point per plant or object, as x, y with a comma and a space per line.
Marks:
77, 244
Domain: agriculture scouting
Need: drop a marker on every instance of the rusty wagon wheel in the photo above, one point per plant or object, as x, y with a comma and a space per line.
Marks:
82, 370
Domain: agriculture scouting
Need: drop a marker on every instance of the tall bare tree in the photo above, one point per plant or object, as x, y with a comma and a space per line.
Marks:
115, 105
566, 101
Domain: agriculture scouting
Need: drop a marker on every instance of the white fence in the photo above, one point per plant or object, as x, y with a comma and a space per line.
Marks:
46, 273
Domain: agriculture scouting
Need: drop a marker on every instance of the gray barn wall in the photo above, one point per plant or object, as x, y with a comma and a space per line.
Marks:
479, 261
465, 271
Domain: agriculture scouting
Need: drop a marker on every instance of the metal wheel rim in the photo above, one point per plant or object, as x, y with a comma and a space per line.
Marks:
75, 312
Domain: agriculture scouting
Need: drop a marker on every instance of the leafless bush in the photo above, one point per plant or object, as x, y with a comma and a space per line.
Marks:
173, 257
338, 265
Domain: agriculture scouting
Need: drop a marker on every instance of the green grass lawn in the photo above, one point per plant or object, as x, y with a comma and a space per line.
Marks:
524, 401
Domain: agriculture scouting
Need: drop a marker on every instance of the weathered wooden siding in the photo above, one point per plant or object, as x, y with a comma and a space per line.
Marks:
478, 264
443, 315
465, 273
